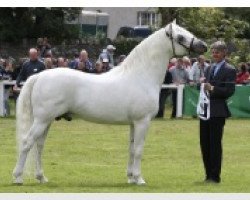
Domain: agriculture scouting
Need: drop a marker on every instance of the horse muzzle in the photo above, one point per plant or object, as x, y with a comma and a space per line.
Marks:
199, 46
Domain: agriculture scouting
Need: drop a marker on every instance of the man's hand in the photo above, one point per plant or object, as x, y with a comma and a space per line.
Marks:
208, 87
202, 79
16, 89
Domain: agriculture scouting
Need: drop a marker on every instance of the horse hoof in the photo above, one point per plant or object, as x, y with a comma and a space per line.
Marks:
18, 181
140, 181
42, 179
131, 180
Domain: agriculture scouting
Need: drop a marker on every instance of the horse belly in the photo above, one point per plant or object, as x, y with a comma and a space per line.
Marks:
103, 113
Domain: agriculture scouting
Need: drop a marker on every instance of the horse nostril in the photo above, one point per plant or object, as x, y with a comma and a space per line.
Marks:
205, 47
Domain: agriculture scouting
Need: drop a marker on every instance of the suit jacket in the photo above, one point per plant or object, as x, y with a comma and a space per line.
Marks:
224, 87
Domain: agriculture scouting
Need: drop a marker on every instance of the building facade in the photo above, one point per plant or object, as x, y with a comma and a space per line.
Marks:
128, 16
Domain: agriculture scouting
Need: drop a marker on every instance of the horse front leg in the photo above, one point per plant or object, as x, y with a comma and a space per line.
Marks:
131, 155
140, 130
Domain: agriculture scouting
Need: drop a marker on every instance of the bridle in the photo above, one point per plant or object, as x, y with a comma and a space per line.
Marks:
170, 35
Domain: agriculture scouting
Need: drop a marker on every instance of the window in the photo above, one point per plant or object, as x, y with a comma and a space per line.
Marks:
147, 18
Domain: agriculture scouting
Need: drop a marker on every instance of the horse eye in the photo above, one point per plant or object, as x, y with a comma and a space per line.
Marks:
180, 38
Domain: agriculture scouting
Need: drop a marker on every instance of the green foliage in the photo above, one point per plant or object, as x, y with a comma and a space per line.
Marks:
210, 24
206, 22
19, 23
242, 53
125, 45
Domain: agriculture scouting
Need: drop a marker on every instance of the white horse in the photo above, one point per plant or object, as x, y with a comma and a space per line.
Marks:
128, 94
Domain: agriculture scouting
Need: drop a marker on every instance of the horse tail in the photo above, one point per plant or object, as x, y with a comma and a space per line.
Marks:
24, 120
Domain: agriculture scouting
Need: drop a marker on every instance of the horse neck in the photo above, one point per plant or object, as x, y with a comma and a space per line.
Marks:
149, 59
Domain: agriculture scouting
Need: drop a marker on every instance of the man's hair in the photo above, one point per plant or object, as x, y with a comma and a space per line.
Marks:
33, 50
219, 45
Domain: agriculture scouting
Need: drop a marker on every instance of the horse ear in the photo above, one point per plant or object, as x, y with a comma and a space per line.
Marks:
174, 21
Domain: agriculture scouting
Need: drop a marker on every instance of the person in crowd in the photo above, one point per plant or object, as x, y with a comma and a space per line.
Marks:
193, 60
121, 59
39, 44
48, 63
6, 70
172, 63
48, 54
187, 65
84, 57
248, 67
108, 53
61, 62
6, 73
66, 62
179, 76
243, 75
18, 67
73, 63
164, 93
197, 72
98, 67
220, 83
1, 63
30, 67
81, 66
105, 65
45, 47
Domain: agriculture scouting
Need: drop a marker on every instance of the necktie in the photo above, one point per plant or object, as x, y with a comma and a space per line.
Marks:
216, 68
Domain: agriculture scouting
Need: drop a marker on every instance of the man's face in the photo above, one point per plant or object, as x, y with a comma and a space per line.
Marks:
33, 55
218, 55
83, 56
111, 51
179, 64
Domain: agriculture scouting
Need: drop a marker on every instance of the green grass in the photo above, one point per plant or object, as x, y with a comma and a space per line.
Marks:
84, 157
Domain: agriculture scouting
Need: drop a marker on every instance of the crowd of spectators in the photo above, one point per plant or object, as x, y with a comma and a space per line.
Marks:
41, 58
9, 69
183, 70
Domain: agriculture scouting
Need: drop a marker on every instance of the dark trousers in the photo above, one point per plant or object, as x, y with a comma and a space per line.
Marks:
174, 98
211, 132
162, 101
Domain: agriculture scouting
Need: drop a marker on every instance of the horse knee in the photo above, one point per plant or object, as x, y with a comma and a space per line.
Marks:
27, 145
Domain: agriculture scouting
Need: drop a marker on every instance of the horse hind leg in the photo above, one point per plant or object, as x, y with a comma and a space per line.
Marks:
39, 170
37, 130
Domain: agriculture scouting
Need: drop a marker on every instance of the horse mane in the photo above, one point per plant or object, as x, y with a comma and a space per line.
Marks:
141, 54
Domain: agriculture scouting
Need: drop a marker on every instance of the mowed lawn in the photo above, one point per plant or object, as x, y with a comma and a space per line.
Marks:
84, 157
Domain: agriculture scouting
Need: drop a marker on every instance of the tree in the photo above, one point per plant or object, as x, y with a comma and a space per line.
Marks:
19, 23
229, 24
205, 22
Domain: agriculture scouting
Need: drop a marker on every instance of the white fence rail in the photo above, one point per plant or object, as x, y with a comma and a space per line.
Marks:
179, 99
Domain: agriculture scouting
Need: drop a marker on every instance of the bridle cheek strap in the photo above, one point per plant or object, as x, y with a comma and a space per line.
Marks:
170, 35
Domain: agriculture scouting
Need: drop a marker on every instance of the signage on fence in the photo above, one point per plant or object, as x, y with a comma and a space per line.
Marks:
239, 103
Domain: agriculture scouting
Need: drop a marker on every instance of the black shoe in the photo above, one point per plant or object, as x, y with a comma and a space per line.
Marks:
210, 180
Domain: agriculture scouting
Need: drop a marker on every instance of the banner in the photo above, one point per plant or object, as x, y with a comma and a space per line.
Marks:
239, 103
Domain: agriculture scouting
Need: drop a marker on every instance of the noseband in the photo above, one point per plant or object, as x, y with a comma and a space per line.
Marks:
170, 35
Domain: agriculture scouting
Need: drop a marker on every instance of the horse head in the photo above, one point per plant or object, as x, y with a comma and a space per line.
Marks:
183, 41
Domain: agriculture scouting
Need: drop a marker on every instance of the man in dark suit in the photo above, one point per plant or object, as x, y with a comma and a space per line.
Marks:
164, 93
30, 67
220, 82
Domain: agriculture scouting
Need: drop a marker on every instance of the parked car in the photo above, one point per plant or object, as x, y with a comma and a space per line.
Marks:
139, 32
